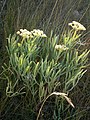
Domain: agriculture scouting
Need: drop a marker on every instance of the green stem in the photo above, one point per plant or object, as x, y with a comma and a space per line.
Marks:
74, 33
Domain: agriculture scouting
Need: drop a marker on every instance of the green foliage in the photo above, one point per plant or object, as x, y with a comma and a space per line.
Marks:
36, 68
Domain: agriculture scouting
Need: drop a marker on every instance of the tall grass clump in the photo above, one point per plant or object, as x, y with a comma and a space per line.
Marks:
40, 66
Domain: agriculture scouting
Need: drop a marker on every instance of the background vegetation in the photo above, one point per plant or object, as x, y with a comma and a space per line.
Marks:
46, 15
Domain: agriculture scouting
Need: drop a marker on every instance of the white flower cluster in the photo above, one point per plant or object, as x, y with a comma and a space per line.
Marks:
30, 34
77, 26
38, 33
61, 47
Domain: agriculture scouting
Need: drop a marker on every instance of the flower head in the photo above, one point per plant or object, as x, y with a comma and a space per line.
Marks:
18, 32
38, 33
77, 26
24, 33
61, 47
27, 34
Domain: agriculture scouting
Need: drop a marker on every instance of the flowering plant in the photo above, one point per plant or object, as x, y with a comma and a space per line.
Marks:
41, 65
